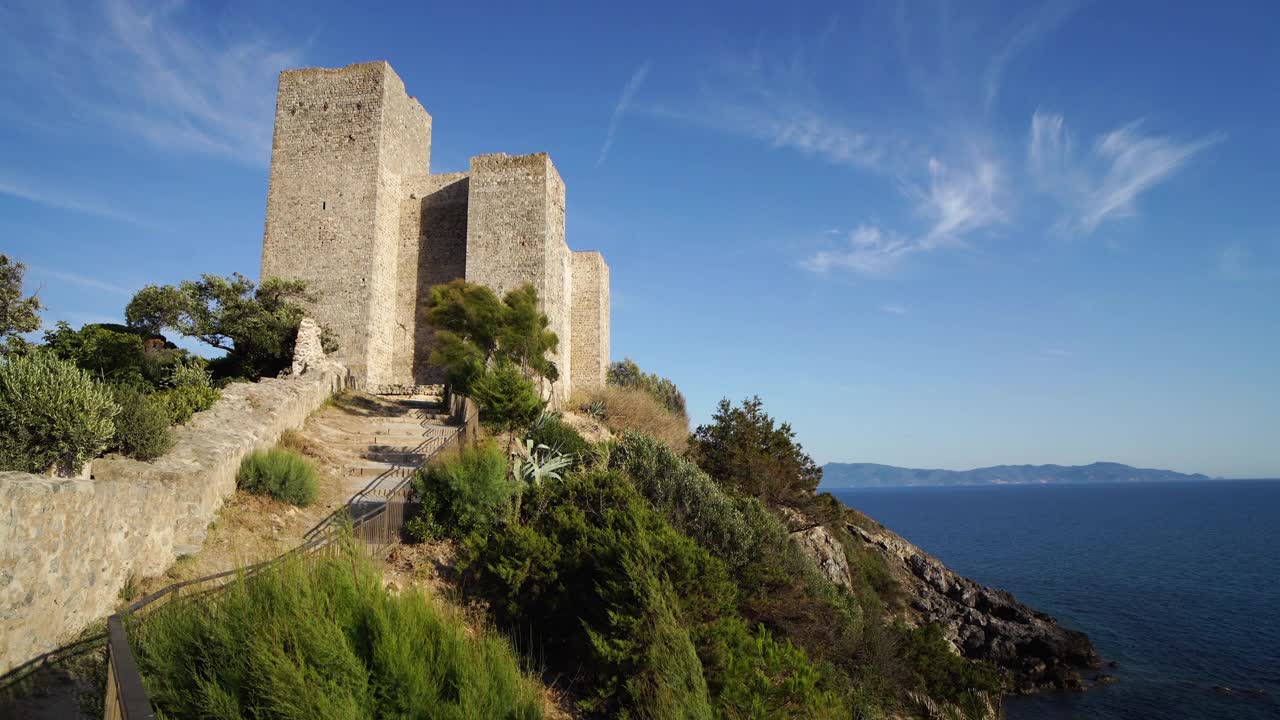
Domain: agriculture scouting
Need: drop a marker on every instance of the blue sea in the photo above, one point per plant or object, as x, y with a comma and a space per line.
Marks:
1177, 583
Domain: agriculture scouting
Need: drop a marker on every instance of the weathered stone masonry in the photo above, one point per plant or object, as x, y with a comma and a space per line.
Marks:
353, 209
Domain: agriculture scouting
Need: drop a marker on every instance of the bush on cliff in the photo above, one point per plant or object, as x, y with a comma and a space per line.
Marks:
626, 373
53, 416
467, 492
324, 639
745, 450
142, 427
731, 528
615, 595
282, 474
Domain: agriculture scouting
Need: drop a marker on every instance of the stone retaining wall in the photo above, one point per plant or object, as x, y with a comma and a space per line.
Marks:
67, 546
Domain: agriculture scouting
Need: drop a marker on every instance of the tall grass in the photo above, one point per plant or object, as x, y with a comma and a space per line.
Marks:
282, 474
321, 638
628, 408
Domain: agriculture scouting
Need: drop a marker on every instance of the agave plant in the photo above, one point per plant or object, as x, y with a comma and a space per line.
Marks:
534, 463
594, 409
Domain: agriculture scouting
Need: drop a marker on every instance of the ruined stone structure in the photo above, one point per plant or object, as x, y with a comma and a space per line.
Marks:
353, 209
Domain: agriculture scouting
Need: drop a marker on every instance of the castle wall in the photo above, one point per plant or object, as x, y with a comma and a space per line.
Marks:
515, 234
433, 251
353, 209
589, 317
342, 140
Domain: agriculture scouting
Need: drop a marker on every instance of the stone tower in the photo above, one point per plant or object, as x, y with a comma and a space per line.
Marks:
353, 209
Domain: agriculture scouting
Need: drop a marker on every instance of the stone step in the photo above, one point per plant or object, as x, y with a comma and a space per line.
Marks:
395, 457
375, 469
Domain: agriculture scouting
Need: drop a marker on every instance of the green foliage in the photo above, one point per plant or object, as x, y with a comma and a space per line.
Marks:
53, 416
645, 616
507, 398
282, 474
181, 402
120, 355
475, 331
942, 674
323, 639
256, 327
537, 463
552, 431
730, 527
108, 355
746, 451
190, 372
463, 493
626, 373
142, 427
17, 314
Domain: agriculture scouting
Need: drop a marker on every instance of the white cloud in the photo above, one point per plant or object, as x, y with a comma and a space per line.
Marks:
624, 103
960, 202
1106, 183
893, 309
157, 72
870, 250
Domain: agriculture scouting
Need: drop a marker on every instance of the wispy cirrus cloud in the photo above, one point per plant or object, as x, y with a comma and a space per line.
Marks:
893, 308
1104, 183
620, 109
1041, 21
956, 203
65, 200
72, 278
155, 72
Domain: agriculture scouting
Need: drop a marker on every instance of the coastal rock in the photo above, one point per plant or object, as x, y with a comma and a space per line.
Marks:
988, 624
823, 547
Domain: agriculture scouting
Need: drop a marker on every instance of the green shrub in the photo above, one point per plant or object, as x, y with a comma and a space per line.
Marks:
747, 451
508, 400
183, 401
729, 527
553, 432
142, 427
470, 491
324, 639
52, 415
645, 616
942, 674
282, 474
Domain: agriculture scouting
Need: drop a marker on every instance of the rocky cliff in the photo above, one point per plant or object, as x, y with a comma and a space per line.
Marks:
984, 623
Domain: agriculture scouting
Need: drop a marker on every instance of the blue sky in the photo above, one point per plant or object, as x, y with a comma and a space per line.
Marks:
928, 234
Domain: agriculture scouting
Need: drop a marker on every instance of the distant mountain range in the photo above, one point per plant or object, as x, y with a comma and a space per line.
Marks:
860, 475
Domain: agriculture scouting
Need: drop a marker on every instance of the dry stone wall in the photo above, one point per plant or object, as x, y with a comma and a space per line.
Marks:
67, 546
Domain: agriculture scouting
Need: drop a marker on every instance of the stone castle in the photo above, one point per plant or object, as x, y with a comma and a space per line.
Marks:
353, 209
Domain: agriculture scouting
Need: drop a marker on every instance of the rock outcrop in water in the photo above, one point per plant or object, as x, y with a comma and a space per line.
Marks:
987, 624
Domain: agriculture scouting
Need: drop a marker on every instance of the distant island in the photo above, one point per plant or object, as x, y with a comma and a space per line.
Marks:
861, 475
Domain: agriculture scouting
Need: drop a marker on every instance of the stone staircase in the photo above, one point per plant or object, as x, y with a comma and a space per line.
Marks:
383, 439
